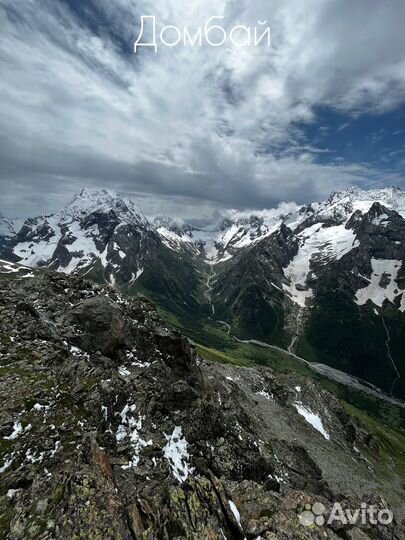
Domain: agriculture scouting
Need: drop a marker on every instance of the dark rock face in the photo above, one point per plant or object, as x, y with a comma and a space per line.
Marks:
112, 427
101, 324
250, 286
381, 232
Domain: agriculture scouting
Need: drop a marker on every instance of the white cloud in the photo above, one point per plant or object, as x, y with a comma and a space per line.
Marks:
226, 116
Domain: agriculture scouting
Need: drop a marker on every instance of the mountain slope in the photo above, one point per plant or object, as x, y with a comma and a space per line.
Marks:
104, 431
328, 284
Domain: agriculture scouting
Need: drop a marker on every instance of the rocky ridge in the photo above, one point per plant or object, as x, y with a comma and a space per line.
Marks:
112, 426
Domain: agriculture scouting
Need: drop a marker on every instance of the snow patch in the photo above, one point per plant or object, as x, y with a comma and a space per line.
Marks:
141, 364
104, 412
17, 430
32, 458
136, 276
123, 371
7, 463
131, 427
235, 512
374, 291
312, 419
176, 452
319, 243
11, 493
264, 395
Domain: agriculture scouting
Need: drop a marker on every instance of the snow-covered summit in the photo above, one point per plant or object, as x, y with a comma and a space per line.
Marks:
84, 231
177, 235
325, 232
352, 199
175, 225
89, 201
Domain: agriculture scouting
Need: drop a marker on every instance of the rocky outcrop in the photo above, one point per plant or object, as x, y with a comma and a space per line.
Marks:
101, 324
112, 427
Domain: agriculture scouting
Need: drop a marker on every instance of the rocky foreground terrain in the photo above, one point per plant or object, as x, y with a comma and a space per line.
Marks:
112, 427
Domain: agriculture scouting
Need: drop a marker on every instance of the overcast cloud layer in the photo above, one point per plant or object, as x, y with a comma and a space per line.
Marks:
193, 130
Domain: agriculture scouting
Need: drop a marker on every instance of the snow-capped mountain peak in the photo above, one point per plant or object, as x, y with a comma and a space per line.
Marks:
95, 226
178, 235
354, 198
177, 226
90, 201
329, 230
241, 229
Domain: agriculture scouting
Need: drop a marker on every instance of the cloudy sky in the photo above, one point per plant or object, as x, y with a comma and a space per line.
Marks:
191, 130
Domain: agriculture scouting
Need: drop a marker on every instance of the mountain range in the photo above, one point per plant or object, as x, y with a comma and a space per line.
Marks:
324, 281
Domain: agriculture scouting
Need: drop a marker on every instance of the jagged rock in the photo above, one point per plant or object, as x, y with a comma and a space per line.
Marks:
101, 323
112, 427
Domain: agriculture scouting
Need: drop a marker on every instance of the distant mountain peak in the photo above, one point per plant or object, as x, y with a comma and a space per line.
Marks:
355, 192
89, 201
172, 224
